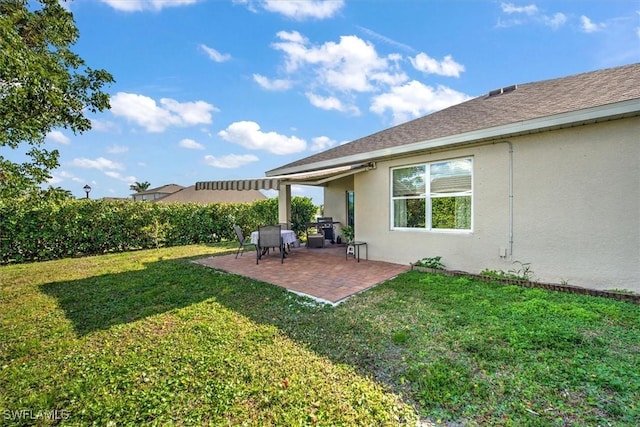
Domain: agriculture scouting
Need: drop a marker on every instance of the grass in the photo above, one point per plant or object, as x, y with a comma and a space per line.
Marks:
150, 338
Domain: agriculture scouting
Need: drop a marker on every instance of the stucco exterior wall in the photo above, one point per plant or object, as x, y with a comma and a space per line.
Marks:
335, 200
576, 208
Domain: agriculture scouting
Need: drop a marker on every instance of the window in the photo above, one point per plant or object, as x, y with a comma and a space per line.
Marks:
351, 205
433, 196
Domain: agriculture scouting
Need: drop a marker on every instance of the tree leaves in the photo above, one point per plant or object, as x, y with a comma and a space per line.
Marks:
43, 85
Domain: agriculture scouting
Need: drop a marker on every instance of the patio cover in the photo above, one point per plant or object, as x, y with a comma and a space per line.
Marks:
319, 177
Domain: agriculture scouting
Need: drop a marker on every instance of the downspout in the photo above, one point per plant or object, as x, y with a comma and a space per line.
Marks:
510, 197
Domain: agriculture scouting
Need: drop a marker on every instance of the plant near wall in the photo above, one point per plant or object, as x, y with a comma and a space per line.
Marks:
431, 262
522, 273
349, 233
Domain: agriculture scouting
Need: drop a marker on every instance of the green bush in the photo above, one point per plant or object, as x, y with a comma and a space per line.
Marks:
36, 229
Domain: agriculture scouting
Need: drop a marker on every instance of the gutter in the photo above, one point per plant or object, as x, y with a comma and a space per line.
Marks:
589, 115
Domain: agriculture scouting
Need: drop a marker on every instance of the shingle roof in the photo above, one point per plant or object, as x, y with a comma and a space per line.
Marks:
166, 189
190, 195
527, 101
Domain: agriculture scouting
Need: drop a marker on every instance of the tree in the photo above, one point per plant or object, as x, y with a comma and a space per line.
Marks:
139, 186
43, 85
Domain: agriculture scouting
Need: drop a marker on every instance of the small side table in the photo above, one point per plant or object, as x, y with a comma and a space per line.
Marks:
353, 248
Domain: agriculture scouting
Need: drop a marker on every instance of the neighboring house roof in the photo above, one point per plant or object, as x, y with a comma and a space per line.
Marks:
189, 194
509, 111
164, 189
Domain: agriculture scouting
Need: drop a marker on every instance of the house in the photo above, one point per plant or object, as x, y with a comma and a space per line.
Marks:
156, 193
544, 173
177, 193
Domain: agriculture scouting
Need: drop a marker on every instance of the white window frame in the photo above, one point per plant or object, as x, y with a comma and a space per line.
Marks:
428, 196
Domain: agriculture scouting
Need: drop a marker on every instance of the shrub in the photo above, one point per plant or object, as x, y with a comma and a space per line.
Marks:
35, 229
433, 262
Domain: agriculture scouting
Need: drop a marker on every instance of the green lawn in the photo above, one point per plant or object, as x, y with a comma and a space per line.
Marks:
149, 337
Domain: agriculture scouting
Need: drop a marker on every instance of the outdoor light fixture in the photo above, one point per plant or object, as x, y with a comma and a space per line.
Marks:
87, 189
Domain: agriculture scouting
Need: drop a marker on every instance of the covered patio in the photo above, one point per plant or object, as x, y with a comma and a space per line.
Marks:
283, 183
322, 274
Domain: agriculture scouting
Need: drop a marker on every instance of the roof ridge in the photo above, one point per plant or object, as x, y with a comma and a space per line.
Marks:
530, 101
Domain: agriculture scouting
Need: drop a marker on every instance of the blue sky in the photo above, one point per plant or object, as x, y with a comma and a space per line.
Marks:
228, 89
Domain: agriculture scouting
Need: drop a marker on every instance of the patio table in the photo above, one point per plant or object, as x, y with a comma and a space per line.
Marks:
288, 237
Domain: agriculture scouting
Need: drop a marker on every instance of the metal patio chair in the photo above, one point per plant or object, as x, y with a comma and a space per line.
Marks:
269, 236
242, 241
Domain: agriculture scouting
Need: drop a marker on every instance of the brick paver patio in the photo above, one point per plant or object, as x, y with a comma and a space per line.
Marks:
323, 273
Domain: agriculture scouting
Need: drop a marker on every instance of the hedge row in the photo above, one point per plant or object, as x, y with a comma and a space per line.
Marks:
44, 230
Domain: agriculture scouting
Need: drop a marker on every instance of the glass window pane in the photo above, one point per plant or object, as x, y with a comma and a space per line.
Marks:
451, 177
409, 213
351, 203
451, 213
409, 181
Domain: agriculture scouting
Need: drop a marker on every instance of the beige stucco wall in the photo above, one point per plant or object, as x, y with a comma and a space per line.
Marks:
335, 200
576, 208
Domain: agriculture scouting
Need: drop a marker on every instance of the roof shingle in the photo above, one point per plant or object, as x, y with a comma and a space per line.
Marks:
527, 102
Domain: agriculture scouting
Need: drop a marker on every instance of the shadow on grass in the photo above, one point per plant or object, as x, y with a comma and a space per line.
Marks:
100, 302
373, 331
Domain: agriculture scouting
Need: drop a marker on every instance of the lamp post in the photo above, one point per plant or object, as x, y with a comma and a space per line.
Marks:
87, 189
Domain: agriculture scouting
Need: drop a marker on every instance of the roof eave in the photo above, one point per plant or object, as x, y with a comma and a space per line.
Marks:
563, 120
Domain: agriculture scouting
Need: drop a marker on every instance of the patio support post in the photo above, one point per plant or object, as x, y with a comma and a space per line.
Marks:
284, 204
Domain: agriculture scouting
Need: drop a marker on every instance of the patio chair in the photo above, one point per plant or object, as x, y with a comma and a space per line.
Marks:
242, 241
269, 236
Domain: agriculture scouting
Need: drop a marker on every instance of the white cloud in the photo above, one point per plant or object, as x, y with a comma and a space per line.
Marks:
115, 175
249, 135
117, 149
298, 10
510, 8
275, 84
100, 163
103, 125
340, 71
590, 27
230, 161
60, 176
350, 65
556, 21
520, 15
191, 144
330, 103
59, 137
214, 54
415, 99
189, 113
447, 67
145, 112
301, 10
322, 143
140, 5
